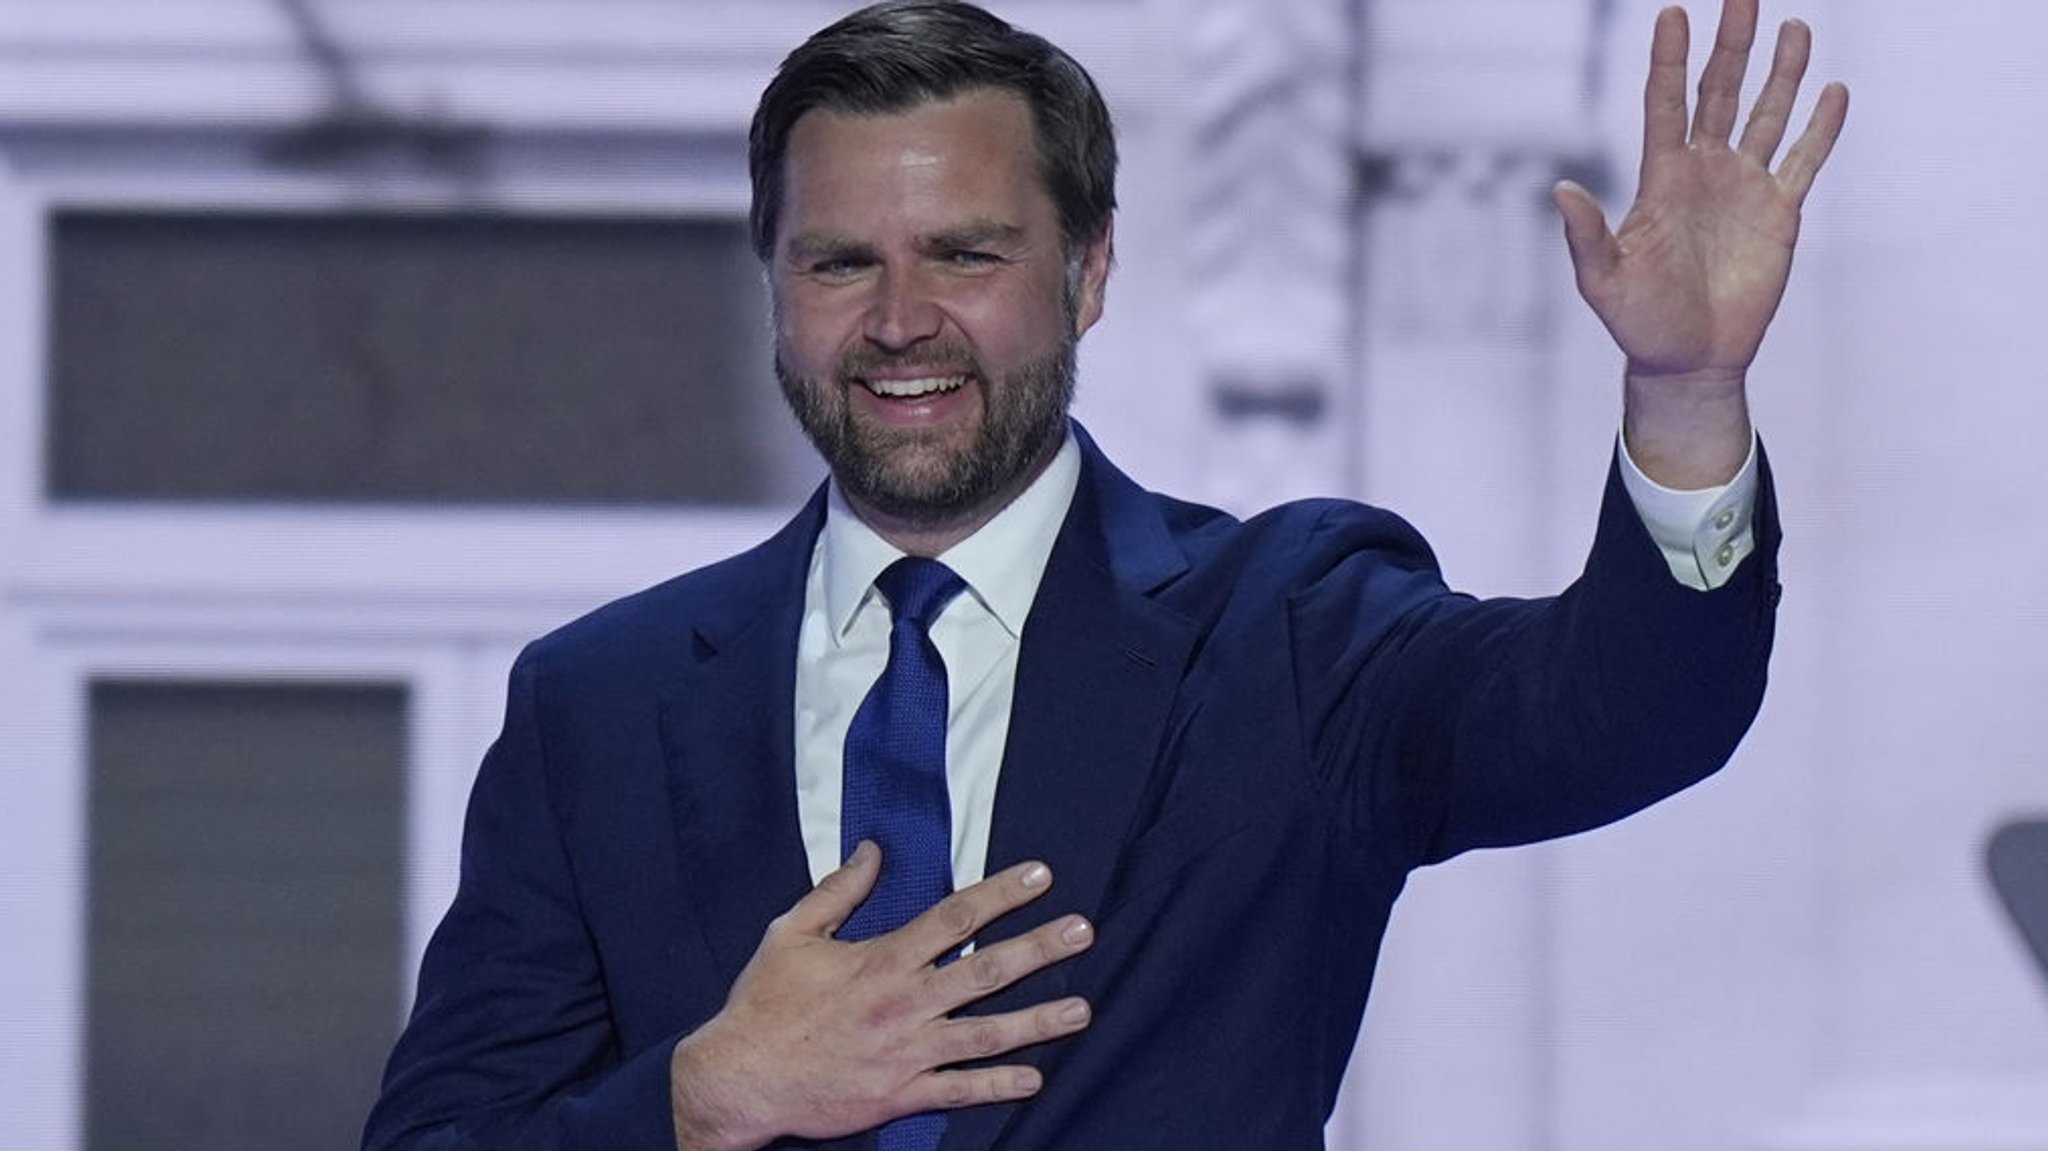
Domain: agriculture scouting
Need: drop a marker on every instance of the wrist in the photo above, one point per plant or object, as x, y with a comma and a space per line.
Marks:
1687, 430
706, 1116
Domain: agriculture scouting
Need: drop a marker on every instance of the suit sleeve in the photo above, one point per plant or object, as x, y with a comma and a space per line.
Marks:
510, 1043
1441, 723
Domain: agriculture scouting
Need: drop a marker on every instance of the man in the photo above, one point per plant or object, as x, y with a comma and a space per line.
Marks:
1185, 763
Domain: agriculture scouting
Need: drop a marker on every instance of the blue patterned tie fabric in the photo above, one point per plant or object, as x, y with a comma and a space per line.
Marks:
895, 783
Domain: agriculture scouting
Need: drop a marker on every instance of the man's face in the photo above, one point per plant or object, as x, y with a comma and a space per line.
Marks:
926, 317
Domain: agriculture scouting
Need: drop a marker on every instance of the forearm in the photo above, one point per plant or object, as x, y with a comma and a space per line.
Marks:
1624, 689
1486, 723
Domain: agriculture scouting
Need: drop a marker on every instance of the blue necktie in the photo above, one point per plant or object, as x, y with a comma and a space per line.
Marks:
895, 783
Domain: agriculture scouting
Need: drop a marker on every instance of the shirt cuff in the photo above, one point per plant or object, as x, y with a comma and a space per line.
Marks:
1704, 534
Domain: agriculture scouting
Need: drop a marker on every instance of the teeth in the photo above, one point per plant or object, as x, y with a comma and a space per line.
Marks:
918, 387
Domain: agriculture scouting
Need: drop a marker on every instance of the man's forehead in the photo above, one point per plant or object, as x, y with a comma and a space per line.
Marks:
980, 140
959, 171
986, 102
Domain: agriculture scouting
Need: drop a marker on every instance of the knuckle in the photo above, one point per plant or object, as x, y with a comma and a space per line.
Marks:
1048, 944
969, 1088
957, 917
1051, 943
990, 1088
1047, 1021
985, 971
1056, 1019
973, 1038
985, 1038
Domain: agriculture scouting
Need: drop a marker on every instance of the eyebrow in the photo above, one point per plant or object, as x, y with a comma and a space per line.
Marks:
825, 246
972, 234
815, 246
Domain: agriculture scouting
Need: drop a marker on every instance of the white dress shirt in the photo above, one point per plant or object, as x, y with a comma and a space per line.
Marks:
844, 639
1703, 534
844, 642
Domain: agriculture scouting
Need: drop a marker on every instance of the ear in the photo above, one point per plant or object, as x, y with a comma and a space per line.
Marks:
1095, 262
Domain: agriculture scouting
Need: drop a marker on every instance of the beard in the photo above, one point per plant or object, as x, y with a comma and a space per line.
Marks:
923, 477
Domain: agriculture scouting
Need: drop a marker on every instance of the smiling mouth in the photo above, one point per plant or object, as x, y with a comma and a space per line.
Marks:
914, 388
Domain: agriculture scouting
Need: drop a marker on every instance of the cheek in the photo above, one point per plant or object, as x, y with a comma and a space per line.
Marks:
810, 334
1010, 327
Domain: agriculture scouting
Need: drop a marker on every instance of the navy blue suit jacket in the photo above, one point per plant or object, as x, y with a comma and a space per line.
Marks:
1231, 741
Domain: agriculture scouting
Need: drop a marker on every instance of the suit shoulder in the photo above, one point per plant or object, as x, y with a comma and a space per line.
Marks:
1310, 537
662, 620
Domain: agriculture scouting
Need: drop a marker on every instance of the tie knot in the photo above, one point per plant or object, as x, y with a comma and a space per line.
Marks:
917, 588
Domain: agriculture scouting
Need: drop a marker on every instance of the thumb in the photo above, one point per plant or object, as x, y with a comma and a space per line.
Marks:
1593, 248
833, 900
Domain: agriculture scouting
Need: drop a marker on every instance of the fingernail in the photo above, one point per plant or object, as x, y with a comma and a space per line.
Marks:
1036, 875
1025, 1080
1077, 932
1075, 1012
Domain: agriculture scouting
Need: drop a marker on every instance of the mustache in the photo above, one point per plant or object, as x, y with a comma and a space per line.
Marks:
938, 360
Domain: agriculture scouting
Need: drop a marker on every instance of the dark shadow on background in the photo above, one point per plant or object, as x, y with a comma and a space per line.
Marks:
2017, 859
419, 359
245, 936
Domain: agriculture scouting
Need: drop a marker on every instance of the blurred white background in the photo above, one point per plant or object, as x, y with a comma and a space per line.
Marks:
1338, 273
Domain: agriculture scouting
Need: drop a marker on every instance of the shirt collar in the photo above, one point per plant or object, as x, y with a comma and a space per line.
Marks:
1002, 562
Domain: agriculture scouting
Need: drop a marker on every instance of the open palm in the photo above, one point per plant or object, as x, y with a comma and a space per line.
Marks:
1690, 281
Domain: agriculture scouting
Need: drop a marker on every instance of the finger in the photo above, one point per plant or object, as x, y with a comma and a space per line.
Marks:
1803, 162
1593, 247
950, 1090
1664, 92
990, 969
1721, 80
987, 1036
1773, 111
832, 901
955, 919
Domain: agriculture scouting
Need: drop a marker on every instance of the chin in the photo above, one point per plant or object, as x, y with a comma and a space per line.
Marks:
934, 494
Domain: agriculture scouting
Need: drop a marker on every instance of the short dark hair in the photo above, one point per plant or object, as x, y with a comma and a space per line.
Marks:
893, 56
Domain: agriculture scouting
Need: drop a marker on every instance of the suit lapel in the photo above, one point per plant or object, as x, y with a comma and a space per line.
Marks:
729, 743
1096, 679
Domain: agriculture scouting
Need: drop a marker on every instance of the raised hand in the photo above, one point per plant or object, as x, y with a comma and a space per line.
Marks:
1689, 283
821, 1038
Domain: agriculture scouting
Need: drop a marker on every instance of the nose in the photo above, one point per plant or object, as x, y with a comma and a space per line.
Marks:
902, 313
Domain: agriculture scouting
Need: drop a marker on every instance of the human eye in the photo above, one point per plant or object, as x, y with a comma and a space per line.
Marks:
972, 258
837, 267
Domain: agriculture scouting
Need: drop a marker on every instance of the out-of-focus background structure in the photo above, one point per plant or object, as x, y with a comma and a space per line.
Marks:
347, 344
